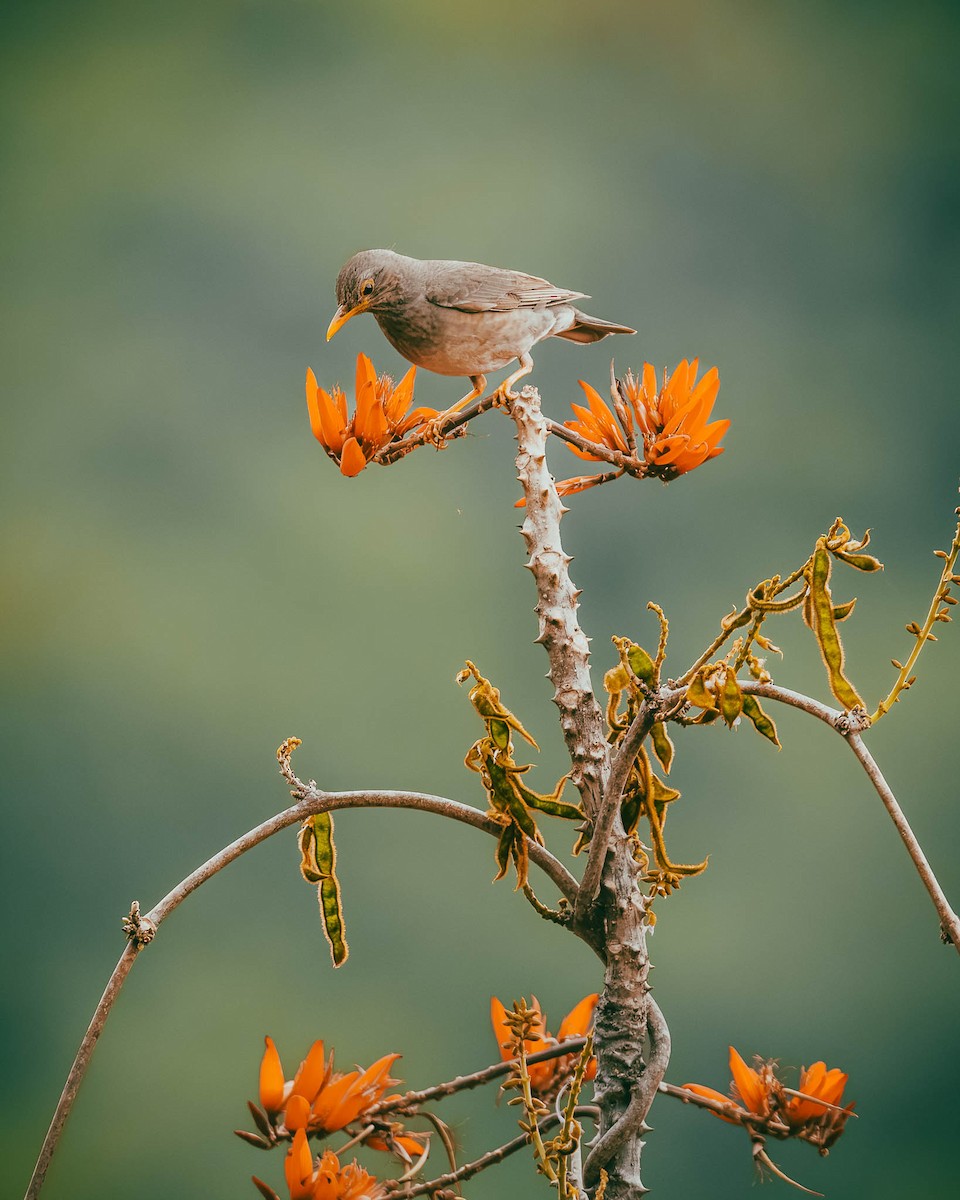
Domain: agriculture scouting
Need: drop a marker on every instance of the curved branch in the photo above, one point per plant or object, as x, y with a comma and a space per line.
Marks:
633, 1120
620, 768
314, 801
949, 921
79, 1068
849, 730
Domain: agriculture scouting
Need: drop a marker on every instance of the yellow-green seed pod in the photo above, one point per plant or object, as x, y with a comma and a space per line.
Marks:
825, 629
662, 745
761, 722
861, 562
731, 698
699, 694
641, 664
331, 910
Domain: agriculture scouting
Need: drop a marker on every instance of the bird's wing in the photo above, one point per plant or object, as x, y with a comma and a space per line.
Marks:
472, 287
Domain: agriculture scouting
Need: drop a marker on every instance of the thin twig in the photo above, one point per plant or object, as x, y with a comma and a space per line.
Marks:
457, 421
469, 1169
949, 921
462, 1083
620, 768
315, 801
838, 721
80, 1064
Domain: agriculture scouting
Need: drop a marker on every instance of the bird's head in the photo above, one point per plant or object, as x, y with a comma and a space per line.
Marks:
368, 282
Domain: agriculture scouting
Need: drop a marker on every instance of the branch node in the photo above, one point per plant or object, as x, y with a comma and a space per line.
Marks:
140, 930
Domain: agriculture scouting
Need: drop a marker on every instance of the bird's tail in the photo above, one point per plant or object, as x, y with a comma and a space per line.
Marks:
591, 329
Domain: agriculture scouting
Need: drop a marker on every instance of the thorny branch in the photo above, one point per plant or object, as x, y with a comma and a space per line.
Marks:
581, 718
633, 1121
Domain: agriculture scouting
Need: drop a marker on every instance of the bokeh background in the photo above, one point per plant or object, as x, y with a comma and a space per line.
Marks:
187, 579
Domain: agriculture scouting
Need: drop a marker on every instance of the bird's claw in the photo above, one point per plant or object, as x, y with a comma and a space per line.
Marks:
432, 432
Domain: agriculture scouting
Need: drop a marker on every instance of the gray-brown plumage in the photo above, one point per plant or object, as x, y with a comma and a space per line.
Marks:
461, 318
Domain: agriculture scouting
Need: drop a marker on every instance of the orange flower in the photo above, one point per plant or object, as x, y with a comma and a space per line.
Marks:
815, 1114
380, 416
663, 432
673, 421
597, 424
575, 1024
324, 1179
319, 1099
817, 1081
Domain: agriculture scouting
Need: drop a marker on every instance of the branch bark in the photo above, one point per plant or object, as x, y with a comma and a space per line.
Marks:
566, 644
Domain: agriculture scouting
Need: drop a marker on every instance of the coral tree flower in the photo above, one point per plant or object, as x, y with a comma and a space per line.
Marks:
576, 1023
675, 420
818, 1082
381, 415
750, 1088
663, 431
320, 1100
822, 1124
324, 1179
815, 1114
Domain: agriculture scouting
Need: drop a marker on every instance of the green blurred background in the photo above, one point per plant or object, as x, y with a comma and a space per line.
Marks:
187, 579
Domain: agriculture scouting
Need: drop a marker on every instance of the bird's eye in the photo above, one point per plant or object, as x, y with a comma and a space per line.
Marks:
366, 288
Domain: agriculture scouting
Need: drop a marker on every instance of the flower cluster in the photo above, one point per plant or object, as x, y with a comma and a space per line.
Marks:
663, 431
544, 1076
323, 1179
381, 416
812, 1110
319, 1100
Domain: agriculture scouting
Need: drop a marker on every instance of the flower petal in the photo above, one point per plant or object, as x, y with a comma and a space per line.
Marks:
352, 458
748, 1084
711, 1094
271, 1078
298, 1168
401, 398
578, 1019
297, 1113
327, 415
310, 1074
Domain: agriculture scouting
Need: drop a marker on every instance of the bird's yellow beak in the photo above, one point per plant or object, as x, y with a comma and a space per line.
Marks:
342, 316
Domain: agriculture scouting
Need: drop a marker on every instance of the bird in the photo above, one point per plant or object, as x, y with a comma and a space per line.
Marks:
461, 318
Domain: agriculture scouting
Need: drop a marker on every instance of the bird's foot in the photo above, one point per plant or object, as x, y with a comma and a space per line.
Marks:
432, 431
504, 395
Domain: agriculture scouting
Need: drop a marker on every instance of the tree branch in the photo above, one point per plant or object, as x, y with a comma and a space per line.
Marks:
314, 801
949, 921
633, 1120
566, 644
849, 729
620, 768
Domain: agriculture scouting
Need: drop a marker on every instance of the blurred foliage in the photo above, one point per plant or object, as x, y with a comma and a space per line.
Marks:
187, 580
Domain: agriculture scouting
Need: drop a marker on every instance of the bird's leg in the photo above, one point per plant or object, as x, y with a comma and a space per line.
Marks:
431, 431
504, 391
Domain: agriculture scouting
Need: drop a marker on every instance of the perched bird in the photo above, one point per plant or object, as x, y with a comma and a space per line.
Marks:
461, 318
